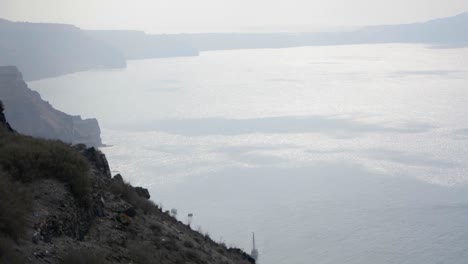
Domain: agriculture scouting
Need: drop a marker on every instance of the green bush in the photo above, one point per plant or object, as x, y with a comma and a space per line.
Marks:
15, 205
83, 256
26, 159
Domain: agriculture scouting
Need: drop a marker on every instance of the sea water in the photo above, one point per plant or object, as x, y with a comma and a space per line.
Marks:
341, 154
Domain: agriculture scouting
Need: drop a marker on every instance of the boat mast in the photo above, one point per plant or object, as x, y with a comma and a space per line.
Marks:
253, 239
254, 253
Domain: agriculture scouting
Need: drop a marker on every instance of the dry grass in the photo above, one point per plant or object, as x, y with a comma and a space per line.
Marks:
15, 204
27, 159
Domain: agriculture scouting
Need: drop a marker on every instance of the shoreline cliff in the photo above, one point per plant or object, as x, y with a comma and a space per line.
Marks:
60, 205
44, 50
29, 114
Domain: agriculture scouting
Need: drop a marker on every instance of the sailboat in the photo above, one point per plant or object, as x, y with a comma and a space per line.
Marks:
254, 253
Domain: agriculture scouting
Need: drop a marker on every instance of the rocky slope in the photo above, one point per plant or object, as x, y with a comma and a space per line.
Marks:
60, 205
42, 50
30, 115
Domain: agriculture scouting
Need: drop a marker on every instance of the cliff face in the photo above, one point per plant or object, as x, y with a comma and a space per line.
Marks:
60, 205
450, 31
30, 115
3, 121
138, 45
47, 50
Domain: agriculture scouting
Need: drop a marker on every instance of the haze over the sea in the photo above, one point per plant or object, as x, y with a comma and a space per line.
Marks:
158, 16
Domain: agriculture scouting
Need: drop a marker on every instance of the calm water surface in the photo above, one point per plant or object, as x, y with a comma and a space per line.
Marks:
349, 154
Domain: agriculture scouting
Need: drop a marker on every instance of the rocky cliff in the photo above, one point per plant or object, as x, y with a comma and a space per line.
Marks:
60, 205
30, 115
43, 50
447, 32
137, 45
3, 121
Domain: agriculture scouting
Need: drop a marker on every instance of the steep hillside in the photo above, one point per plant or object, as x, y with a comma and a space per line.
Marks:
30, 115
48, 50
60, 205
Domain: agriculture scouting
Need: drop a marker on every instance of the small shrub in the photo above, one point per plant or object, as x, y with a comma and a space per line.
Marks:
128, 193
207, 237
146, 205
15, 205
188, 244
171, 245
156, 228
84, 256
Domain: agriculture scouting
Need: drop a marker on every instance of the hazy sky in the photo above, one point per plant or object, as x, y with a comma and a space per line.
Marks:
159, 16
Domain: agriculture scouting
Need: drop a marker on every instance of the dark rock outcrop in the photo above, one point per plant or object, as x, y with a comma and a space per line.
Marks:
140, 191
143, 192
118, 178
99, 161
3, 121
29, 114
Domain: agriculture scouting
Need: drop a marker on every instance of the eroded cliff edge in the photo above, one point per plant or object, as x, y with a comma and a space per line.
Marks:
29, 114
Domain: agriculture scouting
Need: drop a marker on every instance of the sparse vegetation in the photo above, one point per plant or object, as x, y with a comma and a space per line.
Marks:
14, 207
26, 159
